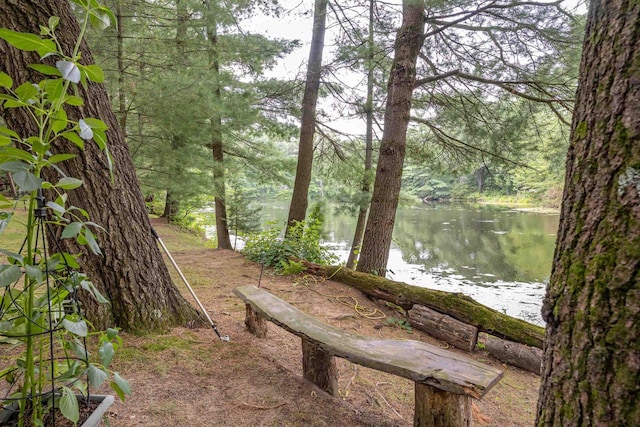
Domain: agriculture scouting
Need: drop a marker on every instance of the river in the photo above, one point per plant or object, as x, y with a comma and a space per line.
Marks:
499, 256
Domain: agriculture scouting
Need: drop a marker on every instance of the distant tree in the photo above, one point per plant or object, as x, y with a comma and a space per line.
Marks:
591, 369
299, 198
468, 56
132, 272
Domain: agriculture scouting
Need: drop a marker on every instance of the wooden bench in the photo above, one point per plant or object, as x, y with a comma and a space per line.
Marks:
445, 382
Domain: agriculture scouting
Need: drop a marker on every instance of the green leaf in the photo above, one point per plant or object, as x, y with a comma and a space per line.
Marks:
5, 80
69, 71
97, 376
14, 167
93, 72
79, 328
59, 121
101, 18
91, 242
73, 137
54, 88
56, 207
90, 287
9, 274
5, 218
57, 158
16, 153
76, 101
100, 138
79, 349
34, 273
47, 70
69, 183
69, 405
26, 91
71, 230
122, 387
53, 22
27, 181
96, 123
106, 353
27, 42
9, 132
13, 256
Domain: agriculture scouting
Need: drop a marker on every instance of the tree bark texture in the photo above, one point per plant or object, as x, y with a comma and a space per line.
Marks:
299, 198
438, 408
376, 243
591, 368
458, 306
443, 327
131, 273
319, 367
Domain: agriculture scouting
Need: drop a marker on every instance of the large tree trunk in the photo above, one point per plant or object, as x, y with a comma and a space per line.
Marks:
222, 228
458, 306
131, 272
591, 368
386, 190
299, 202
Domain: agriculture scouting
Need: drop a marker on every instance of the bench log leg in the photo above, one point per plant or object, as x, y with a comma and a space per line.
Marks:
437, 408
319, 367
255, 323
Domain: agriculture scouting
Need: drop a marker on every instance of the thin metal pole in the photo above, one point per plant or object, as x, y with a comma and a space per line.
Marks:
184, 279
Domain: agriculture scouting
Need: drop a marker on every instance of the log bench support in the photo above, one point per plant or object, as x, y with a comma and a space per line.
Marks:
445, 382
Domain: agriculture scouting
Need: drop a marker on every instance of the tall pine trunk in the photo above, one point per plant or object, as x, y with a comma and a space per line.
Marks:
368, 150
591, 369
299, 198
222, 227
131, 273
386, 190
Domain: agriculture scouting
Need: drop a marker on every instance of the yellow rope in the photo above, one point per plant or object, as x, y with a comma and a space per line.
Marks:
349, 301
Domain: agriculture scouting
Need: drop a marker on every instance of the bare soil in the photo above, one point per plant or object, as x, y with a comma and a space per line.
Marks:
189, 377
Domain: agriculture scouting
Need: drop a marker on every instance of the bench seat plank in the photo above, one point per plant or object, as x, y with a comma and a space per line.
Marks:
416, 360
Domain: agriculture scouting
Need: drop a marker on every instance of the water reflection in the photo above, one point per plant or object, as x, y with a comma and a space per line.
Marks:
500, 257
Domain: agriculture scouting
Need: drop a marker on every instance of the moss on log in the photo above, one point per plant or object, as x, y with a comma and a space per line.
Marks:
455, 305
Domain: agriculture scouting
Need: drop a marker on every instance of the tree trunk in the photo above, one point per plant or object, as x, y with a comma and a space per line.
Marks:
299, 202
368, 151
374, 253
458, 306
591, 367
131, 273
222, 229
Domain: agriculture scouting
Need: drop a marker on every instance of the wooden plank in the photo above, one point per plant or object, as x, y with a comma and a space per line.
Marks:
415, 360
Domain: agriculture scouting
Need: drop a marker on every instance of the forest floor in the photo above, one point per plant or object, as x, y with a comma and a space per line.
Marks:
188, 377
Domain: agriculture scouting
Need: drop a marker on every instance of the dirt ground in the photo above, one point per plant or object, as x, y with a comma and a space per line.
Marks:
188, 377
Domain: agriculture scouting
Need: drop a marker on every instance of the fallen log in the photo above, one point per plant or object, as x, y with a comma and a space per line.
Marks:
443, 327
516, 354
458, 306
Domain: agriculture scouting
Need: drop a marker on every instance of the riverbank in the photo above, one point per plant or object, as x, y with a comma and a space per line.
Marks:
190, 376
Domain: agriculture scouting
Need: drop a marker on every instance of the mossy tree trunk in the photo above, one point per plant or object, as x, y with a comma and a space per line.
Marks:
458, 306
131, 273
591, 368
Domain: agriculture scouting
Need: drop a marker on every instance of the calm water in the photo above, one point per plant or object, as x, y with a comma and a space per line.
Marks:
499, 256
